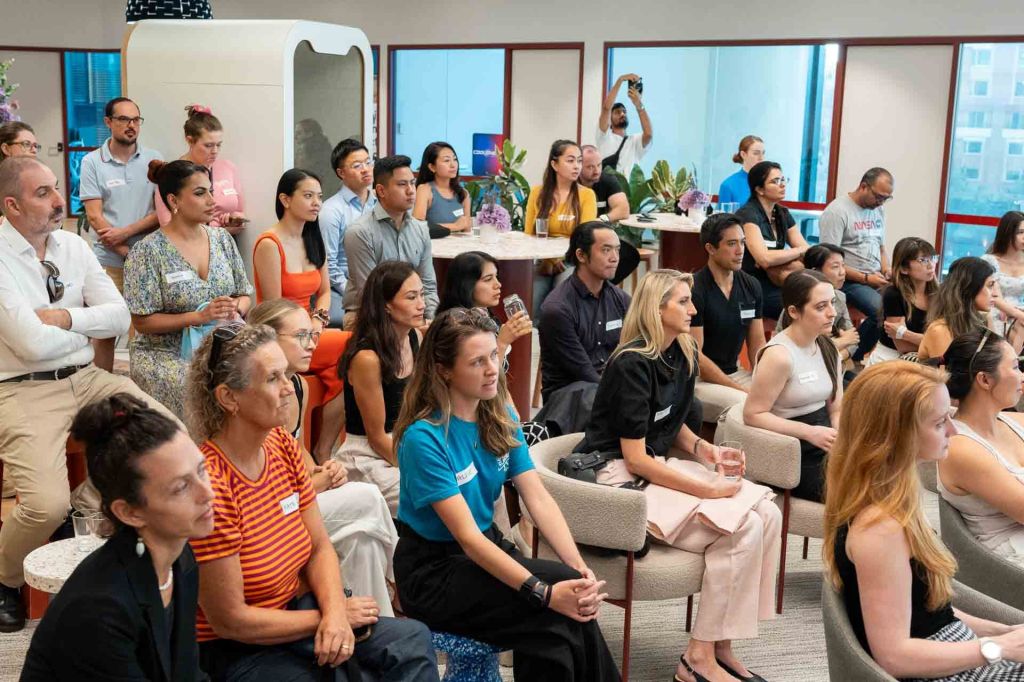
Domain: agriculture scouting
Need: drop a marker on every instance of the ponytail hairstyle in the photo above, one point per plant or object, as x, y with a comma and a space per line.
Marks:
200, 119
745, 144
546, 200
312, 240
796, 293
170, 178
118, 431
968, 356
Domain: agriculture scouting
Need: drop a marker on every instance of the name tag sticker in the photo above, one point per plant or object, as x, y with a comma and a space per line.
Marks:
466, 475
115, 182
180, 276
567, 217
612, 324
746, 313
661, 414
458, 213
807, 377
602, 204
290, 504
769, 244
230, 191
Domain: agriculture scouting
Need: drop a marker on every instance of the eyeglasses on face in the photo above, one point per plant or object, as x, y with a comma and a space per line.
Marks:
29, 146
360, 165
780, 181
880, 198
927, 260
54, 287
306, 338
125, 120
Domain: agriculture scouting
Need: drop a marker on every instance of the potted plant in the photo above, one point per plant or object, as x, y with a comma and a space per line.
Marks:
638, 193
667, 188
7, 105
507, 190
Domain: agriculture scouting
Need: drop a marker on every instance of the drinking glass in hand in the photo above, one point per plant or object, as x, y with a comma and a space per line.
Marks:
513, 304
732, 460
541, 228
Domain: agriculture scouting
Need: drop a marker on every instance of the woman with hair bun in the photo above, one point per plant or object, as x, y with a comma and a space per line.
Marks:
204, 136
735, 188
185, 277
128, 612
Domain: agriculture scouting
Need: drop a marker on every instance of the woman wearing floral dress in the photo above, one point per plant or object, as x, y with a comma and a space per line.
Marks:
186, 274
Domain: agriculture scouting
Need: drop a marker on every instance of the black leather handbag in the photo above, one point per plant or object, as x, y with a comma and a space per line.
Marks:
582, 466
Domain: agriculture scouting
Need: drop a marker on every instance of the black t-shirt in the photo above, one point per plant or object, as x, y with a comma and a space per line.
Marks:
605, 186
725, 321
893, 305
640, 397
774, 240
393, 391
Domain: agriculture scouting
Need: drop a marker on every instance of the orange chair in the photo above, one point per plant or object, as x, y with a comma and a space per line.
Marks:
312, 411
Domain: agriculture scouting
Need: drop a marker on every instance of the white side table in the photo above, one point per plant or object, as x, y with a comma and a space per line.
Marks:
48, 567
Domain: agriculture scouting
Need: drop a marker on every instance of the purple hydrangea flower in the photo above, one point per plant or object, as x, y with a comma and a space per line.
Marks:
495, 214
692, 198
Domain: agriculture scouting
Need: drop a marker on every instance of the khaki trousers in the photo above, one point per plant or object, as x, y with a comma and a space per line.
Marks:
35, 419
717, 398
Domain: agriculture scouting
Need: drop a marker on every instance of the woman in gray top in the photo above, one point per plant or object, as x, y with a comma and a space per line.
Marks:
441, 199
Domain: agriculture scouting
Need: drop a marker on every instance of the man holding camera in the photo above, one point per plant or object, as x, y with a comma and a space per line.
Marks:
619, 150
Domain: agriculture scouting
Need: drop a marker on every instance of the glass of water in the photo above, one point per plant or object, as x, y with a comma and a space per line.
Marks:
85, 524
732, 459
541, 228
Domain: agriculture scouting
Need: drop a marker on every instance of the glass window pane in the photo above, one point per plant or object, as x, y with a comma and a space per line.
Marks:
447, 95
91, 79
962, 240
988, 129
703, 100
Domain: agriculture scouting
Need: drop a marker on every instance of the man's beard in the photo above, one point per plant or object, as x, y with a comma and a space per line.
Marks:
624, 123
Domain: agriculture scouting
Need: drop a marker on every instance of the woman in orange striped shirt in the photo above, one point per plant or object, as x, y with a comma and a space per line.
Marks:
272, 604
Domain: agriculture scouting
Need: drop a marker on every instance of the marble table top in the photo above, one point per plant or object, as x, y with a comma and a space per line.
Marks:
509, 246
48, 567
665, 222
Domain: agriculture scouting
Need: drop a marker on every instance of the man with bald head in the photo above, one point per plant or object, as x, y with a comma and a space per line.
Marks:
54, 298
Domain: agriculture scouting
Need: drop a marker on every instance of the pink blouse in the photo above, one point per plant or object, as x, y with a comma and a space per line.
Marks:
227, 191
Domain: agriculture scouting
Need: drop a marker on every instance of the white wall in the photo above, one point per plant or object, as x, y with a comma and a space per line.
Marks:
545, 103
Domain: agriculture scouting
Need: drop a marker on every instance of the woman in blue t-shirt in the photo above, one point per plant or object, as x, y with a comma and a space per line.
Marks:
735, 188
457, 444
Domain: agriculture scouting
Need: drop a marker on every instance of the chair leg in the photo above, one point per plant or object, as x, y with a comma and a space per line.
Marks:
782, 554
536, 540
536, 389
807, 542
689, 612
628, 622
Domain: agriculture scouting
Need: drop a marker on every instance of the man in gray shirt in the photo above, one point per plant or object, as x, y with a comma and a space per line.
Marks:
389, 232
856, 222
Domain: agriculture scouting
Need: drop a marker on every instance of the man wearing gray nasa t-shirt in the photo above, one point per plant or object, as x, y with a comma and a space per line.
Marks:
856, 222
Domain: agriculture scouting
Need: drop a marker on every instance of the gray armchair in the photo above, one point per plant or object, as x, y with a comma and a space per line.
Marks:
613, 519
847, 660
979, 566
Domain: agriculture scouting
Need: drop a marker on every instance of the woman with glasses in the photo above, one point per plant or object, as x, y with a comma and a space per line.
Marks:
735, 188
983, 477
774, 242
355, 514
1006, 255
963, 304
273, 604
180, 282
376, 368
204, 136
290, 261
906, 301
458, 443
441, 199
18, 139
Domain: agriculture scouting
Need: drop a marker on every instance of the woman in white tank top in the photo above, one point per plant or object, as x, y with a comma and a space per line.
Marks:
983, 476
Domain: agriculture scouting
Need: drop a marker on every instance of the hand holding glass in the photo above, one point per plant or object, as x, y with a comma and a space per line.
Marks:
733, 461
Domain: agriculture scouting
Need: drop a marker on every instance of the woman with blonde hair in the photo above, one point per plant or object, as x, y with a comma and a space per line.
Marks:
894, 573
905, 302
639, 415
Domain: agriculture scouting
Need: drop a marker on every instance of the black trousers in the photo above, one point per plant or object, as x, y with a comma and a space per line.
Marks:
445, 589
812, 460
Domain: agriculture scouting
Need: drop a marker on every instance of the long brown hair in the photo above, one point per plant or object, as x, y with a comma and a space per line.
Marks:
873, 464
954, 303
796, 292
373, 329
546, 200
427, 395
906, 250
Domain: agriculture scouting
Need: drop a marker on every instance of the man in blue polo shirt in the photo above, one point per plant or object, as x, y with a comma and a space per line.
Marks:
118, 197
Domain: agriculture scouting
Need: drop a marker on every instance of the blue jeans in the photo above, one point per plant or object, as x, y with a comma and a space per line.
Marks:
866, 299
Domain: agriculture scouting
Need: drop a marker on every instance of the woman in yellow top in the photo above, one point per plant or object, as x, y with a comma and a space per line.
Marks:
564, 203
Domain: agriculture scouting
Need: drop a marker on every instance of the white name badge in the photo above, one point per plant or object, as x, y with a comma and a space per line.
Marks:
612, 324
230, 191
115, 182
567, 217
290, 504
746, 313
181, 276
661, 414
458, 213
769, 244
807, 377
466, 475
602, 204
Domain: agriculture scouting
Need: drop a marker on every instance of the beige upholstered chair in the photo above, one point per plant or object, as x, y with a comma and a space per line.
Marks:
774, 460
613, 519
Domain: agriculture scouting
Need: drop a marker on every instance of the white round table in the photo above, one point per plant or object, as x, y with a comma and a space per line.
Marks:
679, 237
516, 251
47, 568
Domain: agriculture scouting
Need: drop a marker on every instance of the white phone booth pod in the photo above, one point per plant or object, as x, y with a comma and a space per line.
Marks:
286, 92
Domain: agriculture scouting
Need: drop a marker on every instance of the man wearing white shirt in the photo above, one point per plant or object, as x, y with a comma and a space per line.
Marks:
619, 150
54, 298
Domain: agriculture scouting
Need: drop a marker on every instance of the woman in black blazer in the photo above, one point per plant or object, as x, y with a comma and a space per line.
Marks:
128, 612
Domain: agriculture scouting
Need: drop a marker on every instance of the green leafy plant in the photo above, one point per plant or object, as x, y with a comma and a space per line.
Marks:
638, 193
508, 188
666, 188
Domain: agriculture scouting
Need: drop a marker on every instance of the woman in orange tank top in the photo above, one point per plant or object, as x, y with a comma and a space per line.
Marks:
289, 261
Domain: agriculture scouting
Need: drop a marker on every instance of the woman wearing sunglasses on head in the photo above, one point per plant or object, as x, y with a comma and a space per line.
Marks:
906, 301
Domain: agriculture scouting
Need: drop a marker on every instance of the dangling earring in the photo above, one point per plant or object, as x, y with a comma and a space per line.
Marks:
140, 548
174, 211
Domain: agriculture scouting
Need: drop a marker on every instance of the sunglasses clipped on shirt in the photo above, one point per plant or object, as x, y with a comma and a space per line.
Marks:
54, 287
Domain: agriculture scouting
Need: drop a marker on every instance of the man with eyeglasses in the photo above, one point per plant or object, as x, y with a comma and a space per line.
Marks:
117, 196
352, 164
856, 222
54, 299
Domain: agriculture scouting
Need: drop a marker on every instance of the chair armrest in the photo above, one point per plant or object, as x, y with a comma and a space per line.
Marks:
981, 605
979, 567
772, 458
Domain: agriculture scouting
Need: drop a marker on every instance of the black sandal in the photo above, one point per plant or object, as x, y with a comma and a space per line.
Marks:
754, 677
696, 675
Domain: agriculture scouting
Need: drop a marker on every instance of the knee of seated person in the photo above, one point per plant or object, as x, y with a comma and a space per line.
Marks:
364, 496
44, 508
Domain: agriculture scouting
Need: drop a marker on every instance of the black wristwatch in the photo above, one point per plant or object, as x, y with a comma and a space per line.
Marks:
536, 591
